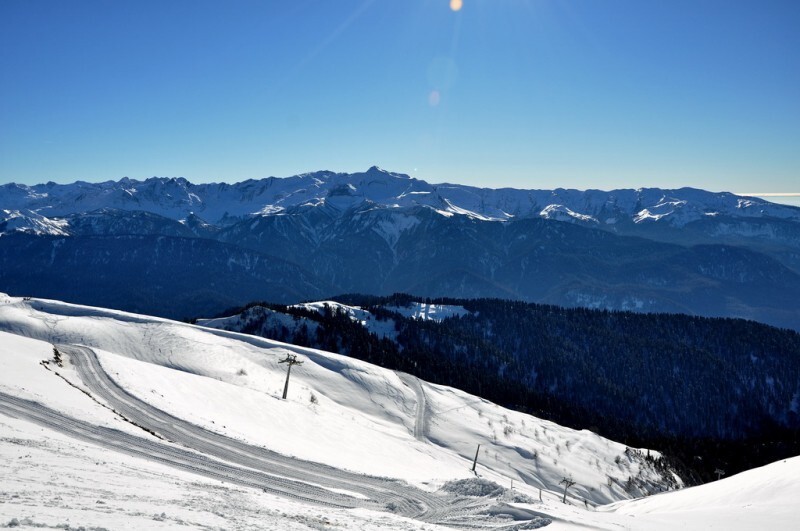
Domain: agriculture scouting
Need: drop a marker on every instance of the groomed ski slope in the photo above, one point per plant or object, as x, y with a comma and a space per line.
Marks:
211, 397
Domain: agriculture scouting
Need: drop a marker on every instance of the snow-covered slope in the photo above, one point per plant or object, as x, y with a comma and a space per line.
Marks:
221, 204
53, 480
346, 414
261, 321
75, 453
32, 223
762, 498
427, 311
415, 310
359, 410
258, 320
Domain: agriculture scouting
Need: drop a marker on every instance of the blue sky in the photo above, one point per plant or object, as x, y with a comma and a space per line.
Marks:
525, 93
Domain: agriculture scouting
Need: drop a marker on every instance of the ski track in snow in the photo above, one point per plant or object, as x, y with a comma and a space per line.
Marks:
421, 415
216, 456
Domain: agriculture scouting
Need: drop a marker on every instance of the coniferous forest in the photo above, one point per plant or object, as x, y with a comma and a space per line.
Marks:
709, 393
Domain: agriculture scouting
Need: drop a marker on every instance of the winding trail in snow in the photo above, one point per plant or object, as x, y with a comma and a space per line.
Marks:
421, 414
194, 449
219, 446
167, 454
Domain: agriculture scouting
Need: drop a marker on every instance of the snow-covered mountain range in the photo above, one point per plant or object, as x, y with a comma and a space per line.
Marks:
222, 204
110, 420
178, 249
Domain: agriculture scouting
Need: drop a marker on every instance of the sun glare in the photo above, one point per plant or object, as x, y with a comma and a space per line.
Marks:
455, 5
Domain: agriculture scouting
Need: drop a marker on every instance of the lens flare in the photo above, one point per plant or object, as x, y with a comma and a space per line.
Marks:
456, 5
434, 98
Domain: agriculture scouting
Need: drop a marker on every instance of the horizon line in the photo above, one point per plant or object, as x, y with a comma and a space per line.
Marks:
770, 194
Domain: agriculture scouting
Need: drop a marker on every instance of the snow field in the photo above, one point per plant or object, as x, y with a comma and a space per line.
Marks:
762, 498
53, 481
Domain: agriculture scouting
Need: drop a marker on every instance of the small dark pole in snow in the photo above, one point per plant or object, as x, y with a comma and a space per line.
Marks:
719, 472
291, 359
567, 484
475, 462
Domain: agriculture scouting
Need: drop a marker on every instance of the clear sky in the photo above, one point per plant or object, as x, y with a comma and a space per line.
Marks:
525, 93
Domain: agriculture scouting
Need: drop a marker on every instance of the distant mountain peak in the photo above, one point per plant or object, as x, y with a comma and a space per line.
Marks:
377, 171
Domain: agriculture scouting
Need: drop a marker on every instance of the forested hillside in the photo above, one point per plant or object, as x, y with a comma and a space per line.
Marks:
727, 390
